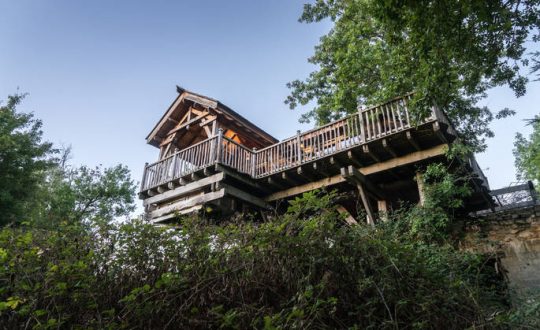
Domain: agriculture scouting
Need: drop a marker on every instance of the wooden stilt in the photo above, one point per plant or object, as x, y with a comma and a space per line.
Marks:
421, 189
349, 219
382, 206
367, 205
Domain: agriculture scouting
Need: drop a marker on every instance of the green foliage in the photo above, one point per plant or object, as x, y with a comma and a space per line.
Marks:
23, 161
92, 194
527, 153
525, 314
448, 52
304, 269
37, 188
444, 193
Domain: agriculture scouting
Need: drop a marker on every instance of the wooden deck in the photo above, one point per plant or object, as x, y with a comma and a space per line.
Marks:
381, 142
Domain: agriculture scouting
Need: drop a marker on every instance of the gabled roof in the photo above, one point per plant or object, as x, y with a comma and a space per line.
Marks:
165, 124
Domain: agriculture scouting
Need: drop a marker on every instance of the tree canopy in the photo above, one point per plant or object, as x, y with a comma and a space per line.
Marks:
24, 160
38, 187
527, 153
448, 52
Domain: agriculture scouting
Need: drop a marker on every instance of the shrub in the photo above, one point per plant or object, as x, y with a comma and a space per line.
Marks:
304, 269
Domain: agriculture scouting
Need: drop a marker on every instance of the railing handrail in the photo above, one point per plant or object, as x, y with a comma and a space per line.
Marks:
397, 98
238, 144
319, 128
183, 150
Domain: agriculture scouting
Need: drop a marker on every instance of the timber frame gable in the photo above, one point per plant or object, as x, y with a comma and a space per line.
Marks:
192, 118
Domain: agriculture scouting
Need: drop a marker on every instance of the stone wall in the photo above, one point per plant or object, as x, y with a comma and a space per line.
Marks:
514, 235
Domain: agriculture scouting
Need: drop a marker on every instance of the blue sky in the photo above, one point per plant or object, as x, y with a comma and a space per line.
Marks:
101, 73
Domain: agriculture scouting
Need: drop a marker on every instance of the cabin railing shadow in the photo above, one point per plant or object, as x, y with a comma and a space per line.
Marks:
353, 130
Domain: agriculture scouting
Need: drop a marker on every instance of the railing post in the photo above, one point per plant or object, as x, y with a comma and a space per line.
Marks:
362, 128
219, 145
143, 182
254, 162
175, 157
299, 147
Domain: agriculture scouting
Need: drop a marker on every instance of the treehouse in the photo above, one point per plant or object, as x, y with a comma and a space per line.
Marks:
213, 159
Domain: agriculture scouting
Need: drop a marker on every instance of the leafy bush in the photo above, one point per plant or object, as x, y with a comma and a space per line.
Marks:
304, 269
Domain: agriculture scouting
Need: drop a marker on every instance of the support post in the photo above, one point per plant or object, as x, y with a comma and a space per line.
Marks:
175, 158
382, 206
421, 189
143, 182
362, 128
219, 145
299, 147
367, 206
254, 163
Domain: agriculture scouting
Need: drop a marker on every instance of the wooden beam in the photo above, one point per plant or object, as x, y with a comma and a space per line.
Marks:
188, 188
367, 205
162, 122
197, 200
353, 159
189, 122
438, 132
352, 175
171, 215
405, 160
287, 178
207, 131
349, 219
335, 162
318, 168
388, 148
273, 182
305, 187
301, 171
375, 168
205, 102
411, 140
235, 192
365, 149
207, 171
244, 179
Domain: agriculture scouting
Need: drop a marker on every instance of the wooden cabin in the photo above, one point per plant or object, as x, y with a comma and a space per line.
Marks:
213, 159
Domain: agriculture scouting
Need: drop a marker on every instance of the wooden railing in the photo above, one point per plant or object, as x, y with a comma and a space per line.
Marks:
180, 164
311, 145
236, 156
353, 130
386, 118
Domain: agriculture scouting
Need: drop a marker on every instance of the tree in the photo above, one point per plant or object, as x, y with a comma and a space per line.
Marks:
527, 153
24, 160
448, 52
87, 195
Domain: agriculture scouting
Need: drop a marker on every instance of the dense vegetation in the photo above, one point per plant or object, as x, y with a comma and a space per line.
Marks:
303, 269
38, 186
